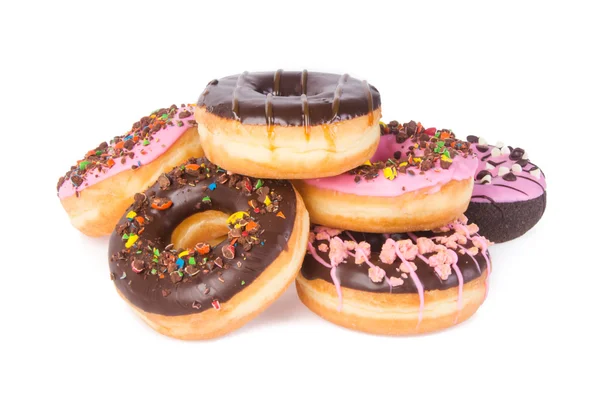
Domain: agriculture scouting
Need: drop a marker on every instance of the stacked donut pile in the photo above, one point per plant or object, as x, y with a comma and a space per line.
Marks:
207, 229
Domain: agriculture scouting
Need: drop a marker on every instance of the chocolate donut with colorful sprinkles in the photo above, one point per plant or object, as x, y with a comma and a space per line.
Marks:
204, 250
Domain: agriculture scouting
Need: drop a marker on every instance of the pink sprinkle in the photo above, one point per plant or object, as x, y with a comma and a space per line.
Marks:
388, 252
376, 274
408, 250
396, 281
323, 248
363, 252
472, 228
441, 262
332, 232
350, 245
337, 251
443, 271
322, 236
425, 245
405, 267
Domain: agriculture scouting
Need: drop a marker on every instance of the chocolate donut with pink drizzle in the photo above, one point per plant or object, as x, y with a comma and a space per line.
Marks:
509, 196
419, 269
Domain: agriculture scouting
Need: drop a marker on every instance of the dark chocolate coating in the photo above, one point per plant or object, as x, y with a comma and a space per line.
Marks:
505, 221
190, 295
330, 98
356, 276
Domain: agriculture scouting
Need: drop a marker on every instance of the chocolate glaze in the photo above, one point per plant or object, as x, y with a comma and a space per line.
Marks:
265, 98
194, 294
356, 276
504, 221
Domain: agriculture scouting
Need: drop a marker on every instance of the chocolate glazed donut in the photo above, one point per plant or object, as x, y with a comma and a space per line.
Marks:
196, 292
278, 98
289, 124
509, 195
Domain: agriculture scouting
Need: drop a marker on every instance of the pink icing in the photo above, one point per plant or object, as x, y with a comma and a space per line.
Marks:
459, 275
161, 142
527, 186
416, 281
461, 169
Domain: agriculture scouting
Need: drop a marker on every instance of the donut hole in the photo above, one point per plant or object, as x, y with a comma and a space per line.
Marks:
209, 226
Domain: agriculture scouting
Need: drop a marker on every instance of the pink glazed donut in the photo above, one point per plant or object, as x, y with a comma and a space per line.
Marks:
99, 187
417, 180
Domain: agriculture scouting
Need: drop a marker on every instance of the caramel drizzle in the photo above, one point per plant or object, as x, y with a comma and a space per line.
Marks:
369, 100
306, 116
329, 137
269, 118
303, 81
337, 95
276, 82
235, 103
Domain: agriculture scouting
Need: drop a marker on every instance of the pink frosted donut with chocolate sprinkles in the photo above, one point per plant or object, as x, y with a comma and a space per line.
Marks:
509, 196
417, 180
396, 284
99, 187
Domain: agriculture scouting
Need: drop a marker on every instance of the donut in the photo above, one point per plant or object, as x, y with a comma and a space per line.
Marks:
203, 251
509, 196
286, 124
395, 284
417, 180
98, 188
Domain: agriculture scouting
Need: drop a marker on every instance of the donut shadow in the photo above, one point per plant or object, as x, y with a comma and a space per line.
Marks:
285, 309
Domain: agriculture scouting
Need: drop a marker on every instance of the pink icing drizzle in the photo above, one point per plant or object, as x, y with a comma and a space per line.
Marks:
483, 242
161, 142
336, 282
460, 284
417, 283
524, 188
461, 169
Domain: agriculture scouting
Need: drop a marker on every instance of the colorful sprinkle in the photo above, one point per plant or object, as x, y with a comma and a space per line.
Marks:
390, 173
131, 240
212, 186
236, 217
131, 215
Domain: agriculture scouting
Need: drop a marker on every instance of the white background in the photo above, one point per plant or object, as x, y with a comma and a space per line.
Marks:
73, 75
